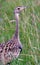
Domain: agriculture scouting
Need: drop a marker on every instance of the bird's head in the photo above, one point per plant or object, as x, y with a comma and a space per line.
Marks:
19, 9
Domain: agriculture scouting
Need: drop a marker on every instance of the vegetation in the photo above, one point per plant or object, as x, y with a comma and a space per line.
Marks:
29, 27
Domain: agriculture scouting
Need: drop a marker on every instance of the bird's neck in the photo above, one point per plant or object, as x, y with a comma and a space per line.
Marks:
17, 25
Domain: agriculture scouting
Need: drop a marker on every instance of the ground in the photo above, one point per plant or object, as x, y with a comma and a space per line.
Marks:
29, 26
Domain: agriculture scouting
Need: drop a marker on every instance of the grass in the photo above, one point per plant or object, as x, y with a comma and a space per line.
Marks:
29, 29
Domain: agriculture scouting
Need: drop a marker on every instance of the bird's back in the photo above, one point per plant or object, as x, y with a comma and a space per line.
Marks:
9, 50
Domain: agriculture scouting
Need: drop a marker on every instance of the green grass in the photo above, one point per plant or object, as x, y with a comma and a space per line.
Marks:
29, 29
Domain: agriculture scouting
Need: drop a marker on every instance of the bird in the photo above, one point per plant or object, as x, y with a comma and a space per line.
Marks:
13, 47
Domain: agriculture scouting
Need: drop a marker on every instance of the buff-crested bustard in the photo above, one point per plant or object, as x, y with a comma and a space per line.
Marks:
11, 49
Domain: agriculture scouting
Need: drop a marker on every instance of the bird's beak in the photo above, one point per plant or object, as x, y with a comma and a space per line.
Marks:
22, 8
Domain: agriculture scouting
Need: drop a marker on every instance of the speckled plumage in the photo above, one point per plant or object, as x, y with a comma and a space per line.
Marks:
11, 49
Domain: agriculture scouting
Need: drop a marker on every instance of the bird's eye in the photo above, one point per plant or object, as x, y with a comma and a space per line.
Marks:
18, 8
